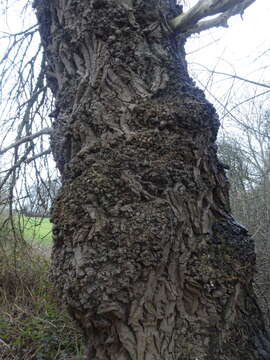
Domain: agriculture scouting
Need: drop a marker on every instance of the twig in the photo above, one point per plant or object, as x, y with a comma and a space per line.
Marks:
4, 343
46, 131
234, 76
43, 153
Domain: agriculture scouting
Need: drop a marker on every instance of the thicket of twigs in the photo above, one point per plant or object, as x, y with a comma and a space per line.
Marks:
247, 156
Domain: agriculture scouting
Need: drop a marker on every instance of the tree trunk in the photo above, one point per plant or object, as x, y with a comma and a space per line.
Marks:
146, 254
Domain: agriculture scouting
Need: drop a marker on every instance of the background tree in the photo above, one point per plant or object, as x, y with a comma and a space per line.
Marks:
25, 103
248, 164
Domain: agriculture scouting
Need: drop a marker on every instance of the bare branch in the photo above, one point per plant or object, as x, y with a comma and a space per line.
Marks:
46, 131
230, 111
16, 165
31, 29
43, 153
234, 76
191, 22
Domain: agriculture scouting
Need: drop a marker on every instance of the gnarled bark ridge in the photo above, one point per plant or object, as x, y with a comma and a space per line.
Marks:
146, 254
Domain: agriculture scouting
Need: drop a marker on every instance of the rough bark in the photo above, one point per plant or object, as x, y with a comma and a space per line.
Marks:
146, 254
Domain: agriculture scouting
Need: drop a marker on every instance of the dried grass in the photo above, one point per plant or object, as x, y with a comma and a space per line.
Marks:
33, 324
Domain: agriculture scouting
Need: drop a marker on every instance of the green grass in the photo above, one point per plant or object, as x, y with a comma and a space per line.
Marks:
36, 230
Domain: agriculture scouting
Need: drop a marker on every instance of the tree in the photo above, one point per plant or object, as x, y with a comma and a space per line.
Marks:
146, 253
248, 172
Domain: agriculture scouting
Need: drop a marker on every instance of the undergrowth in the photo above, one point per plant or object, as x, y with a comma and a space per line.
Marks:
33, 324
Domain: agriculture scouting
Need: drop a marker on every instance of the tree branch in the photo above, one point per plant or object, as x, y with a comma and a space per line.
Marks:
15, 166
46, 131
234, 76
190, 22
43, 153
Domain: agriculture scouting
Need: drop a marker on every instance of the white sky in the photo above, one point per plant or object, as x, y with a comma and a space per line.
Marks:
242, 49
239, 45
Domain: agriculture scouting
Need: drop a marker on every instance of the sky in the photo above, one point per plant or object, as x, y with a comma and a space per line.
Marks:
239, 42
242, 49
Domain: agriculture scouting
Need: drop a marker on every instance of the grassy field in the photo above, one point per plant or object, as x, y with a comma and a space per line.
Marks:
38, 230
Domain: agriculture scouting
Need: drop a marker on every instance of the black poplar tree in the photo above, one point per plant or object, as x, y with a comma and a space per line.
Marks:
146, 254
